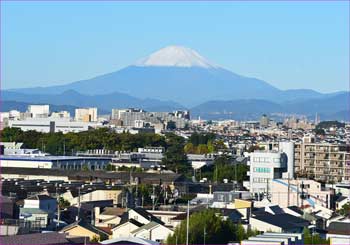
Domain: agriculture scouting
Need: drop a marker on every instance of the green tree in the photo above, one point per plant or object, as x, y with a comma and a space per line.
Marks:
175, 157
216, 230
95, 239
219, 145
201, 138
252, 148
202, 149
319, 131
110, 167
310, 238
211, 146
345, 210
171, 125
189, 148
102, 138
85, 167
63, 203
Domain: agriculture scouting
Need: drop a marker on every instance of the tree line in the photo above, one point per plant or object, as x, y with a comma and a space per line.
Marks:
176, 147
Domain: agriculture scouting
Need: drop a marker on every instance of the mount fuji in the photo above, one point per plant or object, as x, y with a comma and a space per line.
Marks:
172, 76
173, 73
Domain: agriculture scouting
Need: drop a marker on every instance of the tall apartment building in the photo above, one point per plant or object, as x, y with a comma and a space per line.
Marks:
264, 167
138, 117
322, 161
86, 114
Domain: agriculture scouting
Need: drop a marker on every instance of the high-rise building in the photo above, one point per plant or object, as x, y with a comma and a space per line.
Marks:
322, 161
264, 121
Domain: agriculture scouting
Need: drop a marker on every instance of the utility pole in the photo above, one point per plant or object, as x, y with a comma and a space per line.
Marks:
288, 198
298, 194
78, 203
58, 208
302, 193
267, 189
153, 198
236, 176
204, 233
188, 221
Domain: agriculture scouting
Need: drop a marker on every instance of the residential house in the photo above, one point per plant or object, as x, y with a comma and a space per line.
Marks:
125, 227
142, 216
109, 217
265, 222
130, 240
275, 238
39, 210
339, 232
152, 231
166, 216
341, 201
82, 228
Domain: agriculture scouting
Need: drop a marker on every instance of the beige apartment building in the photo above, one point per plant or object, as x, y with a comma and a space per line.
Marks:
322, 161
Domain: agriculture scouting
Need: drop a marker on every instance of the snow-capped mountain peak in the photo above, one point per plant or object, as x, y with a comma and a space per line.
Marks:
175, 56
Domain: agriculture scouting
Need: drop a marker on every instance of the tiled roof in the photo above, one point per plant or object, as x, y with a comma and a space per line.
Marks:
340, 228
36, 238
285, 221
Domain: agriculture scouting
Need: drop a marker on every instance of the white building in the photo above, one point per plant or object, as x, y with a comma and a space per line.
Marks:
49, 124
94, 195
275, 238
39, 209
55, 162
264, 167
86, 114
39, 111
60, 114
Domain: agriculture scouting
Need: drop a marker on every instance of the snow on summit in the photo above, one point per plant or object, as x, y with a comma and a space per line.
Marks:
175, 56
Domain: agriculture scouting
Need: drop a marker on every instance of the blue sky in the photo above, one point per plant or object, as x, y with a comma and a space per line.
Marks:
288, 44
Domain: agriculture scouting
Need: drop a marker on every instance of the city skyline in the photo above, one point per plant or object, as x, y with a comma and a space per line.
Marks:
303, 49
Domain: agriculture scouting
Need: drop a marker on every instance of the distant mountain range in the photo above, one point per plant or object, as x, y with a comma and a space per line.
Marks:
328, 108
105, 101
177, 78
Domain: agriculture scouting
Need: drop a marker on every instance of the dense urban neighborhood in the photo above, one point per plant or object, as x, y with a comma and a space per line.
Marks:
142, 177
